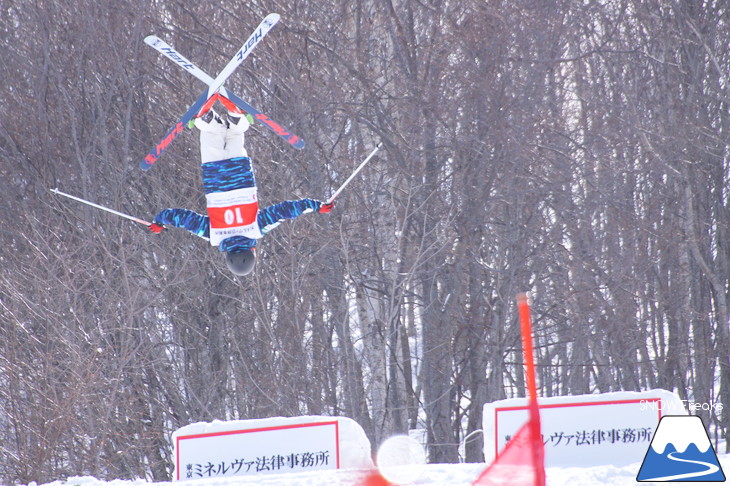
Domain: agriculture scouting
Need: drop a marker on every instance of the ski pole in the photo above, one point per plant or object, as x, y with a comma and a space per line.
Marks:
338, 191
103, 208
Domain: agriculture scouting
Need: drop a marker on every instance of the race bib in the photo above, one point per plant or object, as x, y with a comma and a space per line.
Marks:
233, 213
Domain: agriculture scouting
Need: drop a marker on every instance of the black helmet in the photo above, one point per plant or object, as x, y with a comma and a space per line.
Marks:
241, 262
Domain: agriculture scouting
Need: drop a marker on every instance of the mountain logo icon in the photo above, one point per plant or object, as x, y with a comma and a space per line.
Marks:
680, 451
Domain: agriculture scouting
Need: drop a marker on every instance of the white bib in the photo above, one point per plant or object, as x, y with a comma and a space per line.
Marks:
233, 213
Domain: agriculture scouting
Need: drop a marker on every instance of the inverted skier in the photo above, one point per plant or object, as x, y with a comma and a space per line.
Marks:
234, 222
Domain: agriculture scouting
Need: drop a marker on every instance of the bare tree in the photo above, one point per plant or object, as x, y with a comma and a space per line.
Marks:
575, 150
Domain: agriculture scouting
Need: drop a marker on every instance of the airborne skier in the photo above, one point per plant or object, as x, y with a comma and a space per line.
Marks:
234, 221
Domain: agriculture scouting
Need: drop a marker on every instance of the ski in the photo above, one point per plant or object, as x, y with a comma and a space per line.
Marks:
213, 88
165, 49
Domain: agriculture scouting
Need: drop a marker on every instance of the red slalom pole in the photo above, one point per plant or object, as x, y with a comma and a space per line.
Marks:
538, 451
522, 461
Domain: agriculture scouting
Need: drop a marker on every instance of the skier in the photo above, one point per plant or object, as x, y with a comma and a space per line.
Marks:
234, 221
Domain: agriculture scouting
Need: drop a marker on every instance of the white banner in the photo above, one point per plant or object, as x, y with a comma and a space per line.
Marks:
278, 449
269, 446
584, 430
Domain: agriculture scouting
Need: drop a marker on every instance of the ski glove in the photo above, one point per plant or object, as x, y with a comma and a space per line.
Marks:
156, 228
326, 208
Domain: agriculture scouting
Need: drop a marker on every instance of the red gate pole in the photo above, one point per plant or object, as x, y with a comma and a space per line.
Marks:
538, 451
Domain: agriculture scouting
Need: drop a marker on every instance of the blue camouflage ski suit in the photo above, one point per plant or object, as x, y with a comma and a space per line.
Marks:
220, 177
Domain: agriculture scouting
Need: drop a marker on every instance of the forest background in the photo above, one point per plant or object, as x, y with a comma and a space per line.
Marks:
574, 149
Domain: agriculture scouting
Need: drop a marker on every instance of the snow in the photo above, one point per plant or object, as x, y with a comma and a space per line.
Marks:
680, 431
431, 474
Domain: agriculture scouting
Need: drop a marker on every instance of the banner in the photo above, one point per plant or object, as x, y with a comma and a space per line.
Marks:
268, 446
584, 430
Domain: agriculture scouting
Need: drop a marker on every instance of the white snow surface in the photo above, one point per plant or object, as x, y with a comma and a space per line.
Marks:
431, 474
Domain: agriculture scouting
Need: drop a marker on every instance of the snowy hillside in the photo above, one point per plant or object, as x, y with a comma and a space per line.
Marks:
434, 474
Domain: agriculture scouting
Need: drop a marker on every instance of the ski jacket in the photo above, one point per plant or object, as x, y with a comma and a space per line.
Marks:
230, 183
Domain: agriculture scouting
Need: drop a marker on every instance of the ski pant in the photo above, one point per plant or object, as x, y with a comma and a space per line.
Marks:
218, 141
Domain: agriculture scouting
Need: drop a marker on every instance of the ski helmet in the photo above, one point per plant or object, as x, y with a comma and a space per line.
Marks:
241, 262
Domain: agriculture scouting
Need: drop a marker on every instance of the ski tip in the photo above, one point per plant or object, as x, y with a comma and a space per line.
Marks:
152, 40
294, 141
144, 165
271, 19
